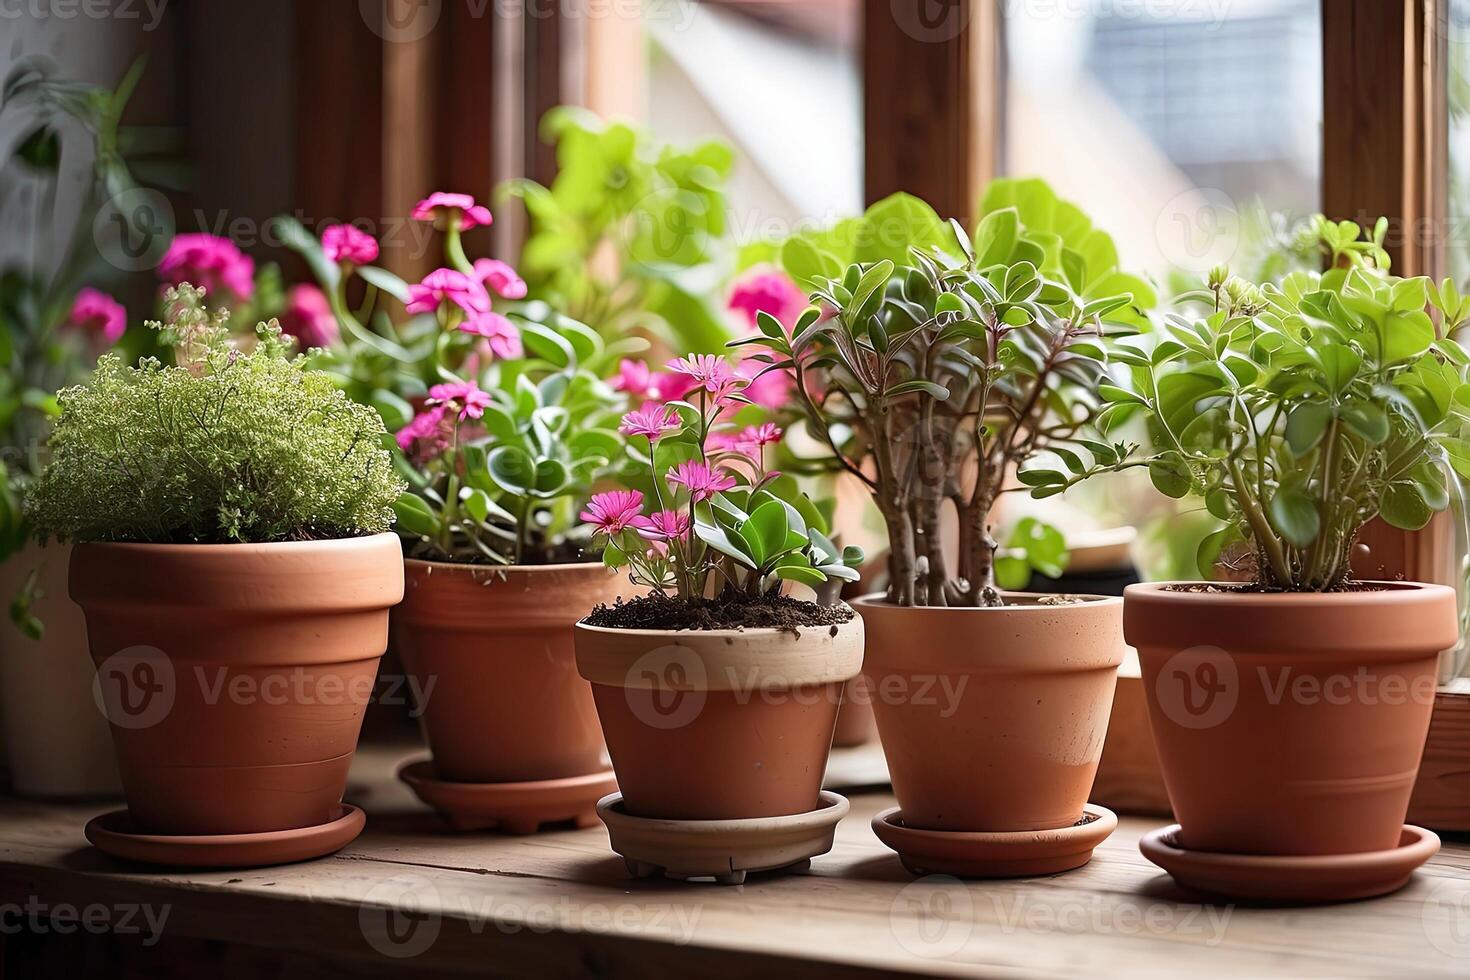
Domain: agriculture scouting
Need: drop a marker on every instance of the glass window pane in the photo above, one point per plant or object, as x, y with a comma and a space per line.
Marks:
1458, 139
1176, 126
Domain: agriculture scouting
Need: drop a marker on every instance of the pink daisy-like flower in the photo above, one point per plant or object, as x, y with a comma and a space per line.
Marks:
635, 378
348, 243
464, 395
308, 317
448, 286
503, 339
769, 291
700, 479
664, 525
425, 435
765, 434
708, 371
501, 278
98, 316
438, 207
211, 262
614, 511
651, 421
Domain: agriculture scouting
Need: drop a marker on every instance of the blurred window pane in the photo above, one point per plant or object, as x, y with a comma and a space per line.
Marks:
1458, 100
1174, 125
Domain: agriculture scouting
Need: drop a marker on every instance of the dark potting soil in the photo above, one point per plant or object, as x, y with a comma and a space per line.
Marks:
1227, 588
729, 611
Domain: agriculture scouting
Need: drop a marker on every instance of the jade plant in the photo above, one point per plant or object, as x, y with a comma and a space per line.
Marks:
714, 523
935, 363
1298, 411
629, 236
227, 445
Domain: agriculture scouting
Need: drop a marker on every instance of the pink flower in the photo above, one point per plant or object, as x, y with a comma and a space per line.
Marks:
500, 277
652, 421
765, 434
665, 525
771, 389
98, 316
710, 372
426, 435
502, 337
637, 380
614, 511
438, 207
348, 243
767, 291
700, 479
211, 262
464, 395
448, 286
308, 317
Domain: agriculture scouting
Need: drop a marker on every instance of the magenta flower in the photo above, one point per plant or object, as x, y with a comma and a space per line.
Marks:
767, 291
501, 336
466, 396
638, 381
652, 421
448, 286
501, 278
426, 435
700, 479
710, 372
308, 317
612, 512
765, 434
348, 243
664, 525
210, 262
98, 316
771, 389
439, 206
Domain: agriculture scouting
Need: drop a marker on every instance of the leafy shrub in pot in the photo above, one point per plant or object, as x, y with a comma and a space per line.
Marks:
1290, 713
234, 564
717, 693
951, 360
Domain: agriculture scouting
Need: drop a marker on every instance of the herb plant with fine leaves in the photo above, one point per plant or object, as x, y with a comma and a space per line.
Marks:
225, 446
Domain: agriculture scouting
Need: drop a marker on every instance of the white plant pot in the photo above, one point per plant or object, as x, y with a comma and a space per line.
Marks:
54, 736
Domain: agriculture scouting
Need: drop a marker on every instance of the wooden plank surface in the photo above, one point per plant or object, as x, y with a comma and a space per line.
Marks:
412, 896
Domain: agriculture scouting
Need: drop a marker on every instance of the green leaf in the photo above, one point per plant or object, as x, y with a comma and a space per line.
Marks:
386, 281
1367, 419
1306, 424
415, 517
1404, 506
512, 469
1294, 515
1170, 475
765, 533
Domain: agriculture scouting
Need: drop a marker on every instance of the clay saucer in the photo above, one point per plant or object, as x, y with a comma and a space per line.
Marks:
1293, 879
725, 850
112, 834
515, 808
977, 854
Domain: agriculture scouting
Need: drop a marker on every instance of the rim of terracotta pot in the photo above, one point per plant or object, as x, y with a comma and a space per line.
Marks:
343, 573
1030, 638
1407, 616
570, 566
717, 660
1089, 601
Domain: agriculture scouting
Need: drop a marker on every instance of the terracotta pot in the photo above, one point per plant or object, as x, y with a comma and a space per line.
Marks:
855, 722
491, 648
1290, 723
993, 720
719, 724
235, 676
54, 733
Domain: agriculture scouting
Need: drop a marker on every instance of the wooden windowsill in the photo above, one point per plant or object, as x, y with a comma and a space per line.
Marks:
560, 904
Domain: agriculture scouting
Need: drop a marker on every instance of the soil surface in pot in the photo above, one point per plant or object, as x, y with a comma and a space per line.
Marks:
733, 610
1252, 588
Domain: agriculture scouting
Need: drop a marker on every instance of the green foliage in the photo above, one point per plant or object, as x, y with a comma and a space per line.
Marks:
628, 237
228, 446
1300, 411
935, 361
506, 488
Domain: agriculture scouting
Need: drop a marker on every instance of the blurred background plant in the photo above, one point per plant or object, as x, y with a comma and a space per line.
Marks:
630, 236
